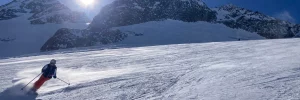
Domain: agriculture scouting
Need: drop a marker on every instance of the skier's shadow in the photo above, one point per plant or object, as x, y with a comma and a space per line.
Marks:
15, 93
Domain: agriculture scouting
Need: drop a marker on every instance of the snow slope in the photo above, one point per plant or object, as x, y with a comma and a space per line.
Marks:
245, 70
176, 32
28, 38
27, 24
148, 34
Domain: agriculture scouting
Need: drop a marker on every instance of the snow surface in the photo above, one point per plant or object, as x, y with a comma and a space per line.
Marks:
245, 70
174, 32
28, 38
200, 2
224, 14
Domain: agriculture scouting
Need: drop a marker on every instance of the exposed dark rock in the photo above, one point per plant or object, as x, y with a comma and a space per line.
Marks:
128, 12
70, 38
253, 21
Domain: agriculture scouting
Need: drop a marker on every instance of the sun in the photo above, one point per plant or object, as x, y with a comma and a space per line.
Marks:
87, 2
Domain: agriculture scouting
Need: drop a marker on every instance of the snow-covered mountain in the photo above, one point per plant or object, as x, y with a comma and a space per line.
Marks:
137, 15
42, 11
253, 21
149, 33
149, 22
128, 12
246, 70
27, 24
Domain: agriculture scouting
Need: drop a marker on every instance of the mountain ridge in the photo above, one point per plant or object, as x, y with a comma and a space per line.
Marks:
254, 21
43, 11
129, 12
132, 12
27, 24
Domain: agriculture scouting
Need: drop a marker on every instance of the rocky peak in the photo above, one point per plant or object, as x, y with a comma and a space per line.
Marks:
232, 12
199, 2
230, 7
42, 11
128, 12
254, 21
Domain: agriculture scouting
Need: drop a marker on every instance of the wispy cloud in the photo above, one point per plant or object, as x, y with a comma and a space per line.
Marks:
286, 16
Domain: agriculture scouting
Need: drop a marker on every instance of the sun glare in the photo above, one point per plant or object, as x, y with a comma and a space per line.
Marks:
87, 2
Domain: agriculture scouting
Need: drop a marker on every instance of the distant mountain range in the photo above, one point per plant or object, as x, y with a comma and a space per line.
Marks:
266, 26
131, 12
42, 11
27, 24
146, 22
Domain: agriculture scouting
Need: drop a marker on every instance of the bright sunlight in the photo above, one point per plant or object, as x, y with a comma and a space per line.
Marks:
87, 2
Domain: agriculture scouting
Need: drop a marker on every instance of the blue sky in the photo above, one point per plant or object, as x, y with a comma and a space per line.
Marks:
283, 9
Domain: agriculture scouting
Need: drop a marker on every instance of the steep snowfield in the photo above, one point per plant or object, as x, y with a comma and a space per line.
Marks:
150, 33
27, 24
174, 32
246, 70
27, 38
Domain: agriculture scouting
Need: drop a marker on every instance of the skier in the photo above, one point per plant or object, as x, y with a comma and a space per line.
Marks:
48, 71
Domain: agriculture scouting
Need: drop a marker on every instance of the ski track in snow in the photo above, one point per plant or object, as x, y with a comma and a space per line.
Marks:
245, 70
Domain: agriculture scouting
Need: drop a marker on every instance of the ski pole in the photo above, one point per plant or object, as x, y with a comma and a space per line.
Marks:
63, 81
31, 81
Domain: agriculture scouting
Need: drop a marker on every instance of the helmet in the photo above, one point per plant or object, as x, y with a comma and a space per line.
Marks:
53, 61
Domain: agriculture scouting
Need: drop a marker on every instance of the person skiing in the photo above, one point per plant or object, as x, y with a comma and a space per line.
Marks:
48, 72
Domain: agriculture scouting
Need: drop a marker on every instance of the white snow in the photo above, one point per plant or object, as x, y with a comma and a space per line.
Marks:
246, 70
174, 32
221, 14
200, 2
138, 7
225, 15
28, 38
155, 5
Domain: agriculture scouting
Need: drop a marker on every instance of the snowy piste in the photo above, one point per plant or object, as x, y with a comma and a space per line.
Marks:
243, 70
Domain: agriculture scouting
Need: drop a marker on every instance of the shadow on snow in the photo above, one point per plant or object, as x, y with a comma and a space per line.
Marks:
15, 93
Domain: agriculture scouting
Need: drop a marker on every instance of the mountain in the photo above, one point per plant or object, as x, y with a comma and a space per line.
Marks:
245, 70
27, 24
42, 11
148, 22
253, 21
70, 38
130, 13
296, 29
148, 34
